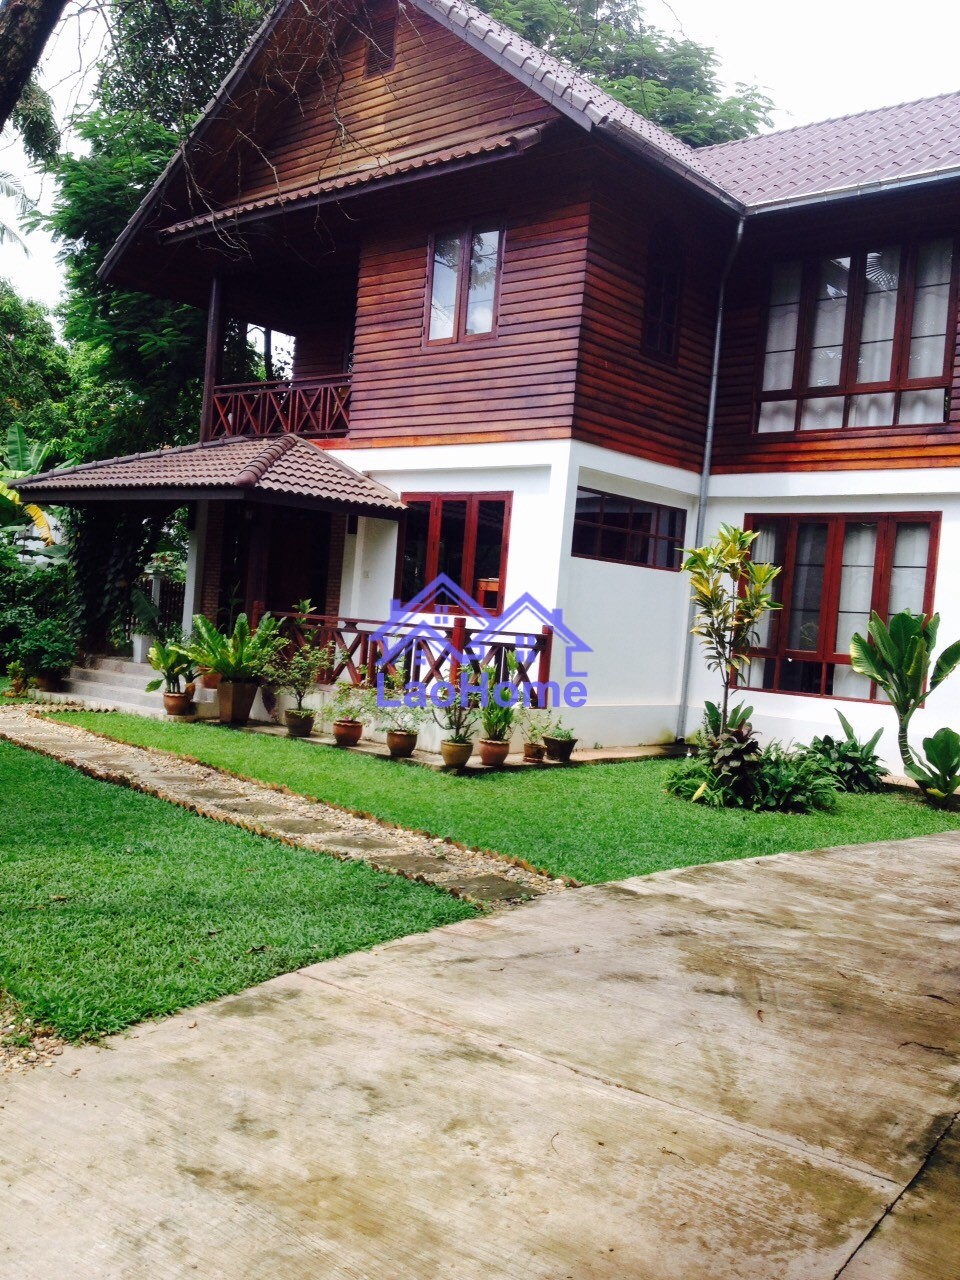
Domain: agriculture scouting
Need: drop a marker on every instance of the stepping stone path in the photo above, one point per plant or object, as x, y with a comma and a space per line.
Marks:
488, 879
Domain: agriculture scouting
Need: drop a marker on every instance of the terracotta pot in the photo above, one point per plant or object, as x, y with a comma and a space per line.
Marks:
299, 726
559, 748
401, 743
46, 681
235, 700
493, 752
534, 752
210, 679
178, 704
347, 733
456, 754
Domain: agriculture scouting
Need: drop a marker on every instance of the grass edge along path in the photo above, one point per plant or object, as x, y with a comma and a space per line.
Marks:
591, 824
116, 906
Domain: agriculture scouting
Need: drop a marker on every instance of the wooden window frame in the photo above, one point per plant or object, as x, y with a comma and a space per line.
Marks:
663, 241
655, 538
826, 654
473, 500
467, 232
848, 388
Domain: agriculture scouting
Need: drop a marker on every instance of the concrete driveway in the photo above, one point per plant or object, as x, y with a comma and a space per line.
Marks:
743, 1070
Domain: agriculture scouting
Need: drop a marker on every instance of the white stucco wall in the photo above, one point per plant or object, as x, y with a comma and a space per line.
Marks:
796, 716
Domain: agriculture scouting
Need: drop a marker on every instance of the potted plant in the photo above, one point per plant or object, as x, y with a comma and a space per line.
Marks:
296, 672
534, 724
497, 725
47, 652
559, 743
400, 722
239, 659
19, 680
176, 675
350, 706
459, 722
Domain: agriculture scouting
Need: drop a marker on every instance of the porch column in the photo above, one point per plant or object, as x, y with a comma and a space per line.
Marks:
213, 361
193, 587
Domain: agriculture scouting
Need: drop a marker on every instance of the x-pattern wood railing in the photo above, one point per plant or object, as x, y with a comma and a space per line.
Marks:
313, 407
357, 652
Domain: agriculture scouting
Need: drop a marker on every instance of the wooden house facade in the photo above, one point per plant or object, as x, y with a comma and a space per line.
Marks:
538, 345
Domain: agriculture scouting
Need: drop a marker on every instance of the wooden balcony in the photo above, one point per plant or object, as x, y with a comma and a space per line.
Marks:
318, 407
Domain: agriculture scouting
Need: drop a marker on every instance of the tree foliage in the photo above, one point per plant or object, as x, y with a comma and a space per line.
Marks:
671, 80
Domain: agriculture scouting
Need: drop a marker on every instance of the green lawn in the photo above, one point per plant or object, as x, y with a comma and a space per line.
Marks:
598, 822
116, 906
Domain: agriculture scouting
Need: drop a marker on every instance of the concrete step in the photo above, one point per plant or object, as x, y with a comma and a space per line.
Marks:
96, 702
103, 662
137, 677
108, 694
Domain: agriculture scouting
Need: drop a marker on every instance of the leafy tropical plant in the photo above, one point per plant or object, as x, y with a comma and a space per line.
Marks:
855, 764
535, 724
898, 660
46, 648
19, 680
497, 721
786, 780
731, 594
175, 665
401, 718
560, 731
940, 777
242, 655
352, 702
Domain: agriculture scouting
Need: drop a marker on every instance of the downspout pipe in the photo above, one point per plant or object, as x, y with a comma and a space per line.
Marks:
684, 704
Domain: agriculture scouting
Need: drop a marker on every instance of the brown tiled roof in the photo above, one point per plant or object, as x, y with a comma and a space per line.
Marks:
285, 466
915, 140
373, 171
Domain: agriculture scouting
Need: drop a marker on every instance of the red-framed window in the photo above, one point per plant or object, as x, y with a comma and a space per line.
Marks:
837, 569
463, 535
661, 303
608, 526
463, 286
861, 340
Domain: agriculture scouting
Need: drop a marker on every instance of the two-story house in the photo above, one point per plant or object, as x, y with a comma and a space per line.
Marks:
539, 345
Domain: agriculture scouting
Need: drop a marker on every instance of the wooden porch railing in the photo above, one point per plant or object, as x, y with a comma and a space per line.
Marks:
313, 407
358, 653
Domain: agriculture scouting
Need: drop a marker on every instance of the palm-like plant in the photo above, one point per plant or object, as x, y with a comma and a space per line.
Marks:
243, 655
899, 661
12, 190
22, 457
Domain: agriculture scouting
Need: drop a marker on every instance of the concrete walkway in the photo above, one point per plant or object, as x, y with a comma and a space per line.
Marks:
743, 1070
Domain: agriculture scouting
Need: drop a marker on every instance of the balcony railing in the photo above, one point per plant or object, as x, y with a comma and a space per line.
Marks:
312, 407
357, 652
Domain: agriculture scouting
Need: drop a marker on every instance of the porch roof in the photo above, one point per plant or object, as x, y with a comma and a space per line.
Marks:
286, 470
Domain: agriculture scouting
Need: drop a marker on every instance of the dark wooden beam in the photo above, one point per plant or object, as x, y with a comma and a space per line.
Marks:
213, 363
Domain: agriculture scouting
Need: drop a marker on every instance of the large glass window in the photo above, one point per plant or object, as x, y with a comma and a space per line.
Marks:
462, 535
608, 526
859, 341
464, 283
836, 571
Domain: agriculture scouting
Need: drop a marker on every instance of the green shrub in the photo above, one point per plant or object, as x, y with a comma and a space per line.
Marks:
939, 778
855, 764
46, 648
792, 781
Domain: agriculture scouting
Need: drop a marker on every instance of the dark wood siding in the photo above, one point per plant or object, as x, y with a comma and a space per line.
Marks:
649, 407
890, 219
439, 93
519, 382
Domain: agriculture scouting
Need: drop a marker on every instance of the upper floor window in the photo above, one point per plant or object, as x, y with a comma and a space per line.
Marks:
463, 535
464, 283
661, 306
381, 45
860, 341
837, 570
608, 526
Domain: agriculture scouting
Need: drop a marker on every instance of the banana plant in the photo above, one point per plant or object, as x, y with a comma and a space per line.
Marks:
22, 457
898, 660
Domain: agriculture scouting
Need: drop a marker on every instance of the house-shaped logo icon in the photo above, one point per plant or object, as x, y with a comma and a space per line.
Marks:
526, 616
